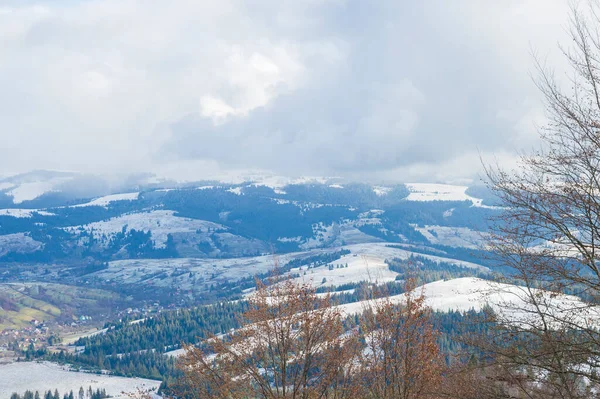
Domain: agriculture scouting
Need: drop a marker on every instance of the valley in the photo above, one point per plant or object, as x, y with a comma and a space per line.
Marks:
299, 199
76, 273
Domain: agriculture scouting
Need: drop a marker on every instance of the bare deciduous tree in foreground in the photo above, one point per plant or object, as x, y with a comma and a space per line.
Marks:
293, 345
549, 233
402, 359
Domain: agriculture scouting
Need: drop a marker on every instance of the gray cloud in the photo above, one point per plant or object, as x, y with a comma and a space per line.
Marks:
385, 90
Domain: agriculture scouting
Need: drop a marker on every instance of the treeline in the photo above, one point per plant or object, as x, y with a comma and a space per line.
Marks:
138, 244
472, 255
316, 260
299, 345
426, 270
398, 231
148, 364
59, 244
255, 214
436, 213
164, 331
137, 349
422, 269
234, 290
82, 394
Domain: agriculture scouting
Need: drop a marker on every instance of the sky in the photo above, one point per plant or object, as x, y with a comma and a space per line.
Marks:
386, 90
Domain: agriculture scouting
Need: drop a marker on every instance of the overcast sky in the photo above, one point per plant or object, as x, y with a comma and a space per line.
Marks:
373, 90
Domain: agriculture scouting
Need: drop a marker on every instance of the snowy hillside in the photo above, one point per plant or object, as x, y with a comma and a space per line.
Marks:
384, 251
29, 186
29, 191
160, 223
510, 302
18, 242
24, 213
366, 262
212, 219
278, 182
348, 269
439, 192
453, 236
104, 201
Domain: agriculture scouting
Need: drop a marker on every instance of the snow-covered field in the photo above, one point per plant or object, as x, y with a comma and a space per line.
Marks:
24, 213
384, 251
360, 268
175, 272
160, 222
18, 242
439, 192
510, 302
460, 294
19, 377
452, 236
104, 201
196, 273
336, 234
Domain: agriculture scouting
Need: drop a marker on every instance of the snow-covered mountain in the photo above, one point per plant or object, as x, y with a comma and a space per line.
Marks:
208, 239
75, 186
90, 217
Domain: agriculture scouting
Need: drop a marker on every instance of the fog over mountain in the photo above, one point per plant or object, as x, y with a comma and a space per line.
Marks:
396, 91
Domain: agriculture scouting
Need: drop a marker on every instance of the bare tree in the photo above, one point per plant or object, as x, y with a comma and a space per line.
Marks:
292, 345
550, 231
402, 358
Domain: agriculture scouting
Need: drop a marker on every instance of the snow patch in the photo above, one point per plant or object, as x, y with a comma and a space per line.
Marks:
24, 213
175, 353
448, 213
290, 239
439, 192
30, 191
236, 190
453, 236
385, 251
280, 181
381, 191
104, 201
